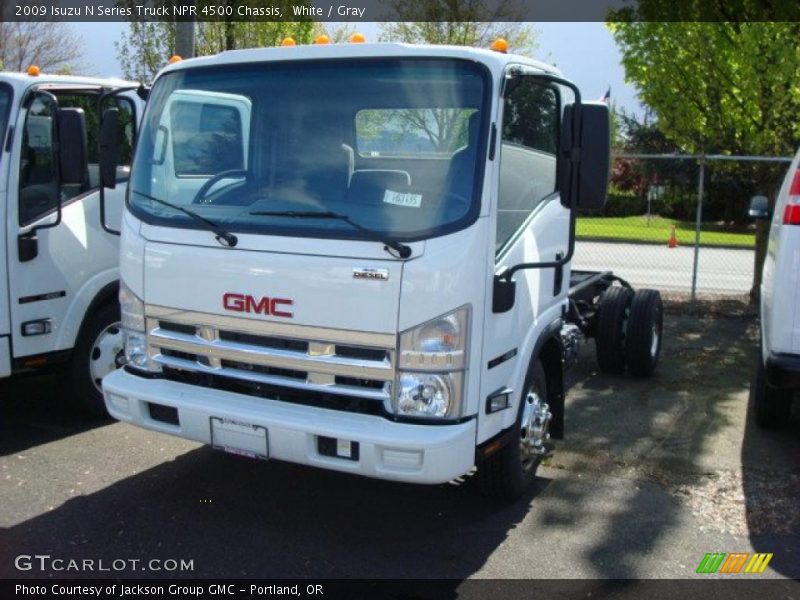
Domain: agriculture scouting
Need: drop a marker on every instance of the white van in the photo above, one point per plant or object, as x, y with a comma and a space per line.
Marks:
778, 369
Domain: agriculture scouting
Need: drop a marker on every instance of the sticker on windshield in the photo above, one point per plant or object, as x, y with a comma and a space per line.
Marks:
401, 199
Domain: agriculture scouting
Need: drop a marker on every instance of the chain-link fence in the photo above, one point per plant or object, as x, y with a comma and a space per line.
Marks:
679, 223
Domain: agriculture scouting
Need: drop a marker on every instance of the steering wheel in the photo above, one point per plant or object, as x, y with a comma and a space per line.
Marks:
201, 193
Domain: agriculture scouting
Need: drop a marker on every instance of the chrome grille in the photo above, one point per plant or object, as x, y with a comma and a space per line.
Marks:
347, 363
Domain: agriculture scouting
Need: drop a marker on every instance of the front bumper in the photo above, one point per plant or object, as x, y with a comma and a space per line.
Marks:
783, 371
387, 450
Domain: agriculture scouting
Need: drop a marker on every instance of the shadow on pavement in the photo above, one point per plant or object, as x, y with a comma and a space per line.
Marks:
38, 409
246, 518
656, 429
771, 482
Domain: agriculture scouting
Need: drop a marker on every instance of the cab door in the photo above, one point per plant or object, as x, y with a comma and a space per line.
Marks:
6, 98
59, 256
530, 225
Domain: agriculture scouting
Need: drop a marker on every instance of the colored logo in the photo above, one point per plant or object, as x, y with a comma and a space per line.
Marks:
735, 562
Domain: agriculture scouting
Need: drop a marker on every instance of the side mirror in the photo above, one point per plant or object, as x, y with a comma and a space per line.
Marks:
759, 208
73, 158
109, 147
589, 151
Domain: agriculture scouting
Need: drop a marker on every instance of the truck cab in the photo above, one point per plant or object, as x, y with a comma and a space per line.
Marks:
357, 257
59, 267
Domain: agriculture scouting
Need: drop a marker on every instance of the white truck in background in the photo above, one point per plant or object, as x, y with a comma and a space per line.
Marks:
357, 257
59, 268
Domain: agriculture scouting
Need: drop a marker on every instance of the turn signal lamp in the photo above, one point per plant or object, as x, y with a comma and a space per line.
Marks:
499, 45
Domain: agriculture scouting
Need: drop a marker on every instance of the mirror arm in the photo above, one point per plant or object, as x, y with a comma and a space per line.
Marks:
507, 274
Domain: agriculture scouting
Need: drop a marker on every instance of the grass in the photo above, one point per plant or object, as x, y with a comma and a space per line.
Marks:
657, 229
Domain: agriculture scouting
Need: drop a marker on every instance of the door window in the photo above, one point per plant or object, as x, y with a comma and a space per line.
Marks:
527, 155
38, 174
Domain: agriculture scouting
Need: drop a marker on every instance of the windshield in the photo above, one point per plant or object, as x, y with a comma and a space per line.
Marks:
391, 144
5, 102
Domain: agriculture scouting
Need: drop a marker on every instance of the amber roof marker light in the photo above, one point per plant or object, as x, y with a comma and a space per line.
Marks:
500, 45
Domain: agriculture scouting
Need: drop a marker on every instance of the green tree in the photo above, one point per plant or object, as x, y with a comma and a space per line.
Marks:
145, 49
719, 87
472, 23
213, 37
147, 46
51, 46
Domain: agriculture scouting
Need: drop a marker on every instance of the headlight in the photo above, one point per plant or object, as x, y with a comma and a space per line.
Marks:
432, 361
429, 395
133, 328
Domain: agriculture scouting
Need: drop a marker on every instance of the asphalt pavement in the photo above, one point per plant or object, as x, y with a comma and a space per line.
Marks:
653, 475
720, 270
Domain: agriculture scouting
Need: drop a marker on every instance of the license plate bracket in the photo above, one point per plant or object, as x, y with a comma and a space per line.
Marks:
236, 437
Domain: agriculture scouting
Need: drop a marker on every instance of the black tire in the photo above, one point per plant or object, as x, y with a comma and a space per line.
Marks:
506, 474
609, 337
643, 333
772, 407
84, 367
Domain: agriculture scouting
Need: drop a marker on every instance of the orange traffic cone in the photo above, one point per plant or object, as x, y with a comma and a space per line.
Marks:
673, 239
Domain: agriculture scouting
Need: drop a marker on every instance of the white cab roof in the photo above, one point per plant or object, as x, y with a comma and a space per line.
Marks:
22, 81
496, 61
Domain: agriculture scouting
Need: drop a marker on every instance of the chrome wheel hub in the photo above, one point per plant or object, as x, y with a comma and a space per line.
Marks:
536, 418
654, 342
107, 353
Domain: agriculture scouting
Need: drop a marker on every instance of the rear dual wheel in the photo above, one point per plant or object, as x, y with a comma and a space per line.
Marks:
643, 335
628, 331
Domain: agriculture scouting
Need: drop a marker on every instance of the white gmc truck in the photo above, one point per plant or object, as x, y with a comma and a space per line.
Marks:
58, 251
357, 257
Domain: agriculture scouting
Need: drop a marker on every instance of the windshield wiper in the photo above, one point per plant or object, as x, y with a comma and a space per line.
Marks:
223, 237
402, 250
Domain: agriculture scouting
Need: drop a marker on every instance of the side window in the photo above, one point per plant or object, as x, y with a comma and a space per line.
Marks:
38, 173
527, 156
207, 139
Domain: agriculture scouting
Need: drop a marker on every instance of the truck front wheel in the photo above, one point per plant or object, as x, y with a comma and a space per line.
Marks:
507, 473
99, 351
